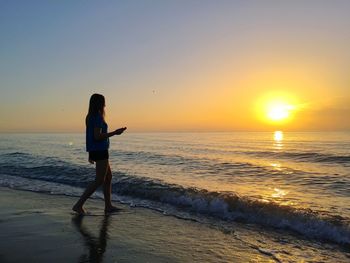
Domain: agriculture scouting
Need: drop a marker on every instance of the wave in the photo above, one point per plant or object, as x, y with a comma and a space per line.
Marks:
221, 205
304, 156
296, 156
231, 207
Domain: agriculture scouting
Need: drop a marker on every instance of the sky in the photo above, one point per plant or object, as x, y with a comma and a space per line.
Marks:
175, 65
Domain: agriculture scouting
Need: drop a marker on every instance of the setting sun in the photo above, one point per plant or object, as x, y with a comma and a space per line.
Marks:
277, 107
278, 111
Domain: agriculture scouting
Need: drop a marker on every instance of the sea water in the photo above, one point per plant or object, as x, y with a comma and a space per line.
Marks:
280, 181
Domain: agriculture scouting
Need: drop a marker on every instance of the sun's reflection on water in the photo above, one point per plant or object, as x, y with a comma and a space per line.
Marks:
278, 140
278, 136
276, 166
279, 193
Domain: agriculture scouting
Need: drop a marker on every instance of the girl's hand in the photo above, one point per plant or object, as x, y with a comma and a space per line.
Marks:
91, 161
119, 131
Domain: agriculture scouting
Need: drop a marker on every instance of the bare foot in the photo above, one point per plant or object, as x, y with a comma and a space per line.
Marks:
112, 209
79, 210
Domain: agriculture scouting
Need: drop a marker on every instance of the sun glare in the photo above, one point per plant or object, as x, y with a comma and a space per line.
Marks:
278, 111
277, 108
278, 136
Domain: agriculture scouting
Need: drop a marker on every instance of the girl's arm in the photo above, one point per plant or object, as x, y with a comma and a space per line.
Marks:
98, 135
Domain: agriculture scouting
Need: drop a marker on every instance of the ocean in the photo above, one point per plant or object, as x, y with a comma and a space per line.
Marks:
297, 183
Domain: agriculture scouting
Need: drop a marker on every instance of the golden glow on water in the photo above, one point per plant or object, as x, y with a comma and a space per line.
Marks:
277, 166
279, 193
278, 136
278, 140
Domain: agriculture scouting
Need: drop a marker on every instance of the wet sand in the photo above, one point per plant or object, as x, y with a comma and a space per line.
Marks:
37, 227
41, 228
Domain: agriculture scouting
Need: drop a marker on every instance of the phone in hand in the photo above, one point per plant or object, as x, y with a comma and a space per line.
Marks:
120, 130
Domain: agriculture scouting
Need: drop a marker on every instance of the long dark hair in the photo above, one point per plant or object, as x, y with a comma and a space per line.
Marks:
96, 106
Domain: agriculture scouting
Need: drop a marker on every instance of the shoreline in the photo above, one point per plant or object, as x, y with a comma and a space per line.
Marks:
38, 227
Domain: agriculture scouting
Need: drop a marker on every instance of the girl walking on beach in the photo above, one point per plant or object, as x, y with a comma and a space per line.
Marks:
97, 144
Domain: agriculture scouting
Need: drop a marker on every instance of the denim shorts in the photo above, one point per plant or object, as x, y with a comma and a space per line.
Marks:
98, 155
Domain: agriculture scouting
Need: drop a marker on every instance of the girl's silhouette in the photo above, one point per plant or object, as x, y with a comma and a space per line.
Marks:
97, 144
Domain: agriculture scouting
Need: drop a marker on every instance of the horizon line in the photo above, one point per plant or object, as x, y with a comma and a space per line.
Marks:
160, 131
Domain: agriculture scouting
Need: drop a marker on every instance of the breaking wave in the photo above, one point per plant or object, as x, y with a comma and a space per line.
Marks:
220, 205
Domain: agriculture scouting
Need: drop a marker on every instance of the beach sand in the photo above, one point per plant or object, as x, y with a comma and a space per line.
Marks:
41, 228
36, 227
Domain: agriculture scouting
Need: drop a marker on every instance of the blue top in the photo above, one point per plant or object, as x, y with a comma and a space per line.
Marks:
96, 121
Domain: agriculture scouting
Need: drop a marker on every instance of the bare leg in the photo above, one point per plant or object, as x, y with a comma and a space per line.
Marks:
107, 191
101, 170
107, 188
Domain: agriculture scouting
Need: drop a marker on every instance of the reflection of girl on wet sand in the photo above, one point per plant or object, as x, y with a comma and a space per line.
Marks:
96, 246
97, 144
